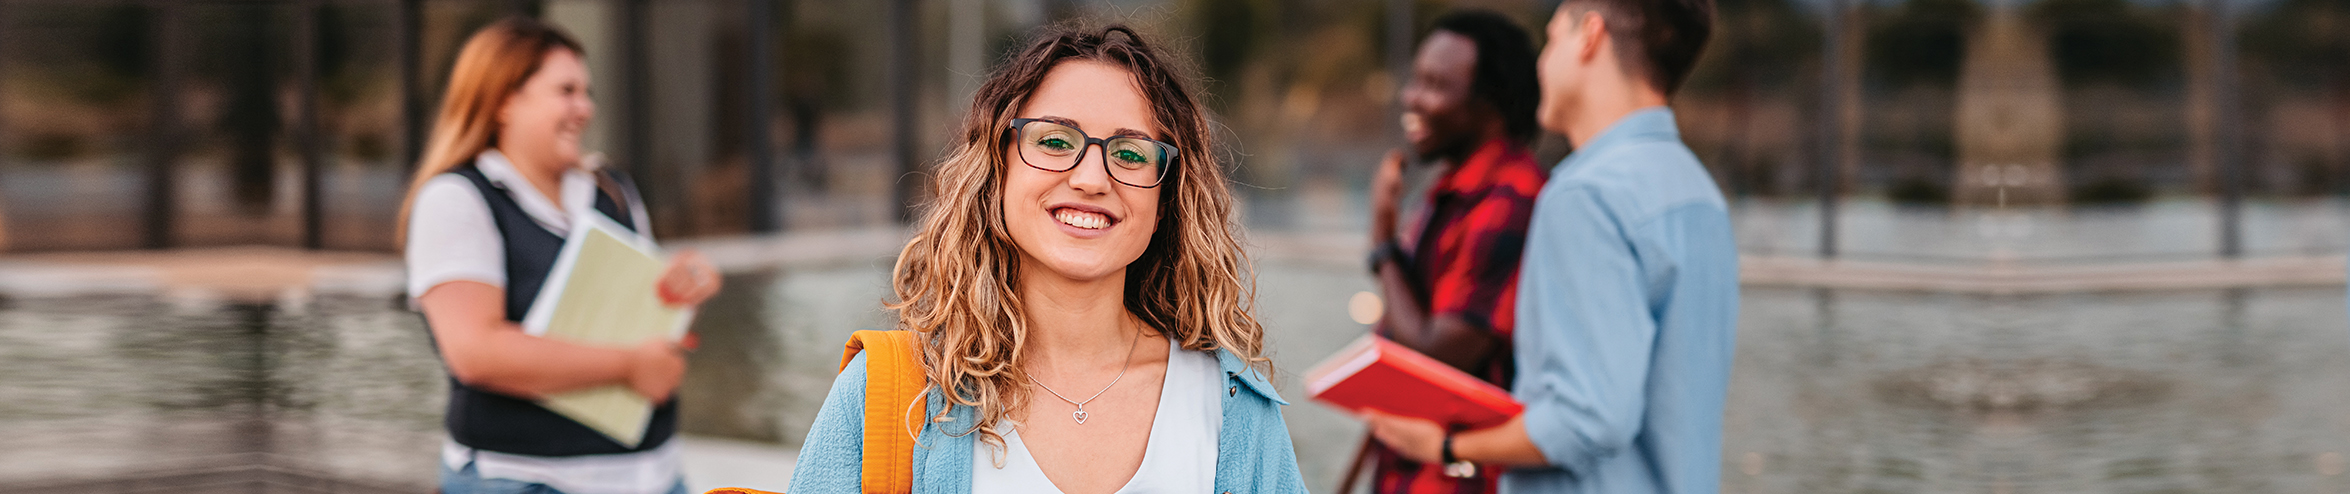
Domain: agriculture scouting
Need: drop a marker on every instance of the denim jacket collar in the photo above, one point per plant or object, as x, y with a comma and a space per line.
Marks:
1237, 368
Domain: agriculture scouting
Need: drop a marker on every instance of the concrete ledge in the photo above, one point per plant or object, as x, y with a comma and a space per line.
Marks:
244, 274
2009, 278
263, 274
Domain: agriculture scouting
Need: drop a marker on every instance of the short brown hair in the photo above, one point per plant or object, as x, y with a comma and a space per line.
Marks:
1659, 40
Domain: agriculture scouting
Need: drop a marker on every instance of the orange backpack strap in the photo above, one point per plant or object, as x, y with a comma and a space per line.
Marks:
893, 380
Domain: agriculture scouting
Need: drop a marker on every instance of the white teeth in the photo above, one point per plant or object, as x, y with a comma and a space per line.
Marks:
1081, 219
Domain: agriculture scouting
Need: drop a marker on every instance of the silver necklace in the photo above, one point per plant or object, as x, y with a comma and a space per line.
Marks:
1080, 413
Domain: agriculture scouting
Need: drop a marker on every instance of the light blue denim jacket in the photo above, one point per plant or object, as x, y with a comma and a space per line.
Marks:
1253, 451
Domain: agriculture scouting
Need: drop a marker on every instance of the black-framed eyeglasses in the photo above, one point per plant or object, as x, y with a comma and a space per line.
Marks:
1057, 147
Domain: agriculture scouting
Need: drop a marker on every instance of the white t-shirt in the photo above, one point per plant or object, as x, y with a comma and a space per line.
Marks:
1180, 456
452, 238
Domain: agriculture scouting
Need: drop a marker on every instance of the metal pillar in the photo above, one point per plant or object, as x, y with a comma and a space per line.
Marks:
1399, 43
408, 19
1401, 37
1831, 138
2228, 150
163, 121
761, 154
901, 105
306, 132
636, 144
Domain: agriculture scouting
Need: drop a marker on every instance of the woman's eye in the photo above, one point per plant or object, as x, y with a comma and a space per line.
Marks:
1131, 157
1054, 143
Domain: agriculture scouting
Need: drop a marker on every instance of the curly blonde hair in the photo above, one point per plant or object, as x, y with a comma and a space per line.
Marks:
956, 281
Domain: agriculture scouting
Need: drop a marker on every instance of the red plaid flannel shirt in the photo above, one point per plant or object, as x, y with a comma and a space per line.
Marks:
1470, 238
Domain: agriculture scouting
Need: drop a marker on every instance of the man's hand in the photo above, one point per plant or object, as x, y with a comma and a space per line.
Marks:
1386, 190
1416, 439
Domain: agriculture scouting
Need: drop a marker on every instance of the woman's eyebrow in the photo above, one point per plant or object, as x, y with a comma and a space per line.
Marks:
1120, 132
1058, 120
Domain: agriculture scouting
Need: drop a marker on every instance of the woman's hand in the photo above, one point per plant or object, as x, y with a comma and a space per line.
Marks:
688, 281
655, 368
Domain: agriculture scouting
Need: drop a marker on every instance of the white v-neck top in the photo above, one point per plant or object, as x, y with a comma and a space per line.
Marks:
1180, 456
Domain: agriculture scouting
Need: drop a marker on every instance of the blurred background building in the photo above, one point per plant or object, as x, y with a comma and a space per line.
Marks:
129, 124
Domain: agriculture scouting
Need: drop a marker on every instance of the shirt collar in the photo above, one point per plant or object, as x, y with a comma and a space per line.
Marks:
1481, 169
577, 189
1647, 124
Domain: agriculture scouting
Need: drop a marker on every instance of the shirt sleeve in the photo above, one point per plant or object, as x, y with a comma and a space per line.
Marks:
1585, 334
452, 238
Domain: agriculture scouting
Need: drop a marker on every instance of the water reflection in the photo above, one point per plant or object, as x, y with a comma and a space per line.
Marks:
2192, 391
126, 387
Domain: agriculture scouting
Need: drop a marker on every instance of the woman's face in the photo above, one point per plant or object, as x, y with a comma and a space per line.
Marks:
1081, 224
543, 120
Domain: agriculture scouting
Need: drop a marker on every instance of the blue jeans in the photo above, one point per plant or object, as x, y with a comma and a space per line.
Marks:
468, 481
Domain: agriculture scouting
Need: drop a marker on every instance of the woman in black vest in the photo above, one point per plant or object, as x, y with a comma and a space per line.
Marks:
485, 218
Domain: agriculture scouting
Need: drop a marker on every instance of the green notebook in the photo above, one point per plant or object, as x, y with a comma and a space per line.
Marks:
601, 292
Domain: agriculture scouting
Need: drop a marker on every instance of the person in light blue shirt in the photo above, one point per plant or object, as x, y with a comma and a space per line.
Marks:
1628, 295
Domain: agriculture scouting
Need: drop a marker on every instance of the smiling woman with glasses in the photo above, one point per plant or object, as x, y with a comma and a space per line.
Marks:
1077, 304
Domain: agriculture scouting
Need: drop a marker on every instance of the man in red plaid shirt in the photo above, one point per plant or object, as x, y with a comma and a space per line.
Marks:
1451, 281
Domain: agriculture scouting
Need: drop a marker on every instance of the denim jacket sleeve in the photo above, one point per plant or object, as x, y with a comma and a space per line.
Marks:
832, 455
1254, 453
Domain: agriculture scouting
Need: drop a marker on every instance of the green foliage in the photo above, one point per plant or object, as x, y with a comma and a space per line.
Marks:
1921, 42
2110, 42
2112, 190
2302, 42
1762, 44
1916, 190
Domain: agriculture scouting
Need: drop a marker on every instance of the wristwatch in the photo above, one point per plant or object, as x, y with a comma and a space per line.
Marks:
1454, 466
1385, 251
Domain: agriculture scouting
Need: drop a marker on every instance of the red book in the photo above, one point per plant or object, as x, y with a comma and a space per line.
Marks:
1375, 373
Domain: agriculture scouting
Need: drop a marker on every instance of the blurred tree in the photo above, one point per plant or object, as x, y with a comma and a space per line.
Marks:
2110, 41
1914, 57
1758, 47
2304, 46
1921, 42
245, 64
1229, 32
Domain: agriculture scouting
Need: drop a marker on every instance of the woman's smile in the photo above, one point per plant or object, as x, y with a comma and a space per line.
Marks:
1083, 221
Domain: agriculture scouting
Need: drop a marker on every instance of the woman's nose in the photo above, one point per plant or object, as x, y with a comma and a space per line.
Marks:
1092, 173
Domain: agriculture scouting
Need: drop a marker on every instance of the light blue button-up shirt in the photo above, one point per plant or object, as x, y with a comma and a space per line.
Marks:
1627, 311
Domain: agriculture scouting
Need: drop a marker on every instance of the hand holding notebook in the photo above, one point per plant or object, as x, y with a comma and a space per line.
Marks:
602, 292
1374, 373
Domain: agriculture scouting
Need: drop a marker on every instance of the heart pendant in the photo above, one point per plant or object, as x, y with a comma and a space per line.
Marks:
1079, 415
